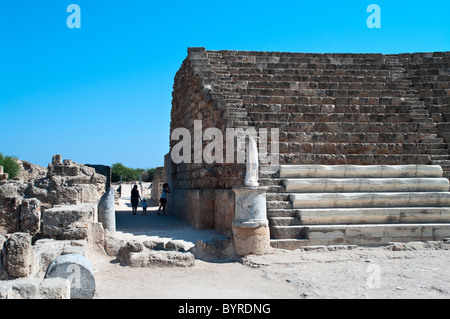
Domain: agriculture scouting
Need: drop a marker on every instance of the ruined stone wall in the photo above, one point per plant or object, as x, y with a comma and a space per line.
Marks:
65, 183
198, 95
361, 109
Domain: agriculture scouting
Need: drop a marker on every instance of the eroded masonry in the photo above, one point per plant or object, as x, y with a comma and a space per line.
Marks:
363, 143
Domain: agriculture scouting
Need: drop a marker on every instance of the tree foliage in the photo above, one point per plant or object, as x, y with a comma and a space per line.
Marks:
130, 174
10, 165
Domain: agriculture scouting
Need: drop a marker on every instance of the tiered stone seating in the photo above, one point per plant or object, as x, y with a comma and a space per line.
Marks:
357, 99
430, 74
375, 122
345, 204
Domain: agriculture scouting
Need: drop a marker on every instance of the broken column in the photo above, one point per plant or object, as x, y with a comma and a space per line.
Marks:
250, 226
78, 270
107, 211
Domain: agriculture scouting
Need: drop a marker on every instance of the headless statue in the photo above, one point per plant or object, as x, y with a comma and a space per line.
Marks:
251, 176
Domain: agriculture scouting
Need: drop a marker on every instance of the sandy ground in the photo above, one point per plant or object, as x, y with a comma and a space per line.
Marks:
364, 272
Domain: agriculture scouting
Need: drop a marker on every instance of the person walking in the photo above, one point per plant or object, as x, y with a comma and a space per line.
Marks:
163, 199
135, 197
144, 206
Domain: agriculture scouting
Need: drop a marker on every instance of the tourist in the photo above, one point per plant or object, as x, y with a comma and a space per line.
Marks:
163, 199
135, 197
144, 206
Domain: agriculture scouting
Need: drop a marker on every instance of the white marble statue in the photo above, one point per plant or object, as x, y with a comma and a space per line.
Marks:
251, 176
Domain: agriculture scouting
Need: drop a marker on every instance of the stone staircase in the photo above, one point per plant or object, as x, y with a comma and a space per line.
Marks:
356, 204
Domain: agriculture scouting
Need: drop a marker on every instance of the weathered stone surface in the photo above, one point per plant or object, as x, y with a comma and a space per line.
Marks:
78, 270
157, 184
155, 244
3, 273
54, 288
353, 109
124, 253
11, 195
30, 216
24, 289
158, 258
30, 172
46, 250
222, 248
107, 211
68, 222
19, 255
251, 240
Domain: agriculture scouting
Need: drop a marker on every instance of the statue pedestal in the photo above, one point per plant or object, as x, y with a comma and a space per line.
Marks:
250, 227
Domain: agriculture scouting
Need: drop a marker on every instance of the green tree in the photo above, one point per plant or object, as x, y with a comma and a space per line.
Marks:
151, 173
10, 165
128, 174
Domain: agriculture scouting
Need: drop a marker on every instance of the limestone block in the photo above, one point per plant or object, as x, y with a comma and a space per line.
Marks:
112, 244
250, 226
5, 290
3, 273
54, 288
157, 258
125, 250
250, 207
395, 199
30, 216
46, 250
107, 211
19, 255
24, 289
78, 270
251, 240
385, 171
11, 195
331, 185
68, 222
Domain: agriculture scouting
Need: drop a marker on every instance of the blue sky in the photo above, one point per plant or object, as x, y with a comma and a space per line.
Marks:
102, 94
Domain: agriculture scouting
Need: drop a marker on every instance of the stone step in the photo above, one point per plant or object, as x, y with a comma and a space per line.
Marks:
338, 85
330, 137
335, 117
301, 105
387, 97
372, 234
374, 199
279, 205
377, 215
440, 157
437, 152
361, 171
289, 244
353, 185
353, 159
354, 148
288, 212
348, 127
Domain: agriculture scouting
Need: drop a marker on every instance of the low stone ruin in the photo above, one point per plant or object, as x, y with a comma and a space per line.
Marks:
44, 214
24, 199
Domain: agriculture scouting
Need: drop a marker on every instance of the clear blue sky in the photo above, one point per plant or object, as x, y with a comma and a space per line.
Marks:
102, 94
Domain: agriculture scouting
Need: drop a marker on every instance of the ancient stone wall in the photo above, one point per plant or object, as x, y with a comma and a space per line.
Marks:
360, 109
25, 200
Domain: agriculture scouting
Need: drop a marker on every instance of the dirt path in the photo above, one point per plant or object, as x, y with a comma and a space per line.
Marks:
418, 272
